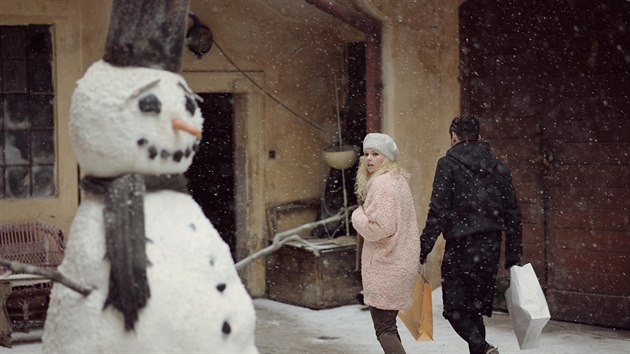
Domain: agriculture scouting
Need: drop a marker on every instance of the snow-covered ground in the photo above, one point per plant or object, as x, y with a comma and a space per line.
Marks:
283, 328
348, 329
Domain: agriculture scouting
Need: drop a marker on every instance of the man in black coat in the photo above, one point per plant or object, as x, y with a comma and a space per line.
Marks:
473, 202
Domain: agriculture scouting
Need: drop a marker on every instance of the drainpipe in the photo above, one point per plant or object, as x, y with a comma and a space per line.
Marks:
372, 30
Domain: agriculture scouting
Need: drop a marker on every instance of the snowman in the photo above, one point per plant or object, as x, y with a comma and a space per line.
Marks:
161, 277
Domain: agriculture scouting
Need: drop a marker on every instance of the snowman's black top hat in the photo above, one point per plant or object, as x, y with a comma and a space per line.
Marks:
147, 33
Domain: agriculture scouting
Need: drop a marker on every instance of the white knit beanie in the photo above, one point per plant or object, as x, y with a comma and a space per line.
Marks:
383, 143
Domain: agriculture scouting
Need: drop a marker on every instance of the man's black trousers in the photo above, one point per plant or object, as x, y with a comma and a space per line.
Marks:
469, 271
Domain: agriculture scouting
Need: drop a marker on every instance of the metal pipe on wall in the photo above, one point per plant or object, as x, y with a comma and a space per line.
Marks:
372, 30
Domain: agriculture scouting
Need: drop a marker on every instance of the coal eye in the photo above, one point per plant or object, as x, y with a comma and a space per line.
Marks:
191, 105
150, 103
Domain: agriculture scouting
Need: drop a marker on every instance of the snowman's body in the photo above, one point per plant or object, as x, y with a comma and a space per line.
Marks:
197, 302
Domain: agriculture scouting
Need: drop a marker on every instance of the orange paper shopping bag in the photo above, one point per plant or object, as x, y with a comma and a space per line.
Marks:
419, 317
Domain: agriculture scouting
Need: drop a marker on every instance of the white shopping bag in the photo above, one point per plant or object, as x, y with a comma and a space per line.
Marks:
527, 306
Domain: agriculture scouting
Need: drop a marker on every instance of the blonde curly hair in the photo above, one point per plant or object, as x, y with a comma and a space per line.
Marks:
364, 176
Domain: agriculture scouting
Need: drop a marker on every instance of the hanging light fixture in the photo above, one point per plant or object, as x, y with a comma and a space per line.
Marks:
199, 37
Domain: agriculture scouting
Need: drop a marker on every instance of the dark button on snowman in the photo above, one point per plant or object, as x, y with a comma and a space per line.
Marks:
162, 278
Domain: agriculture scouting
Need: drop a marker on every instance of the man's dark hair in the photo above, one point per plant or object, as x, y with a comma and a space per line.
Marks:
466, 127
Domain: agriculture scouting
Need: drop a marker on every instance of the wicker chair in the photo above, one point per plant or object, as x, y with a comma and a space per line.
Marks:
36, 243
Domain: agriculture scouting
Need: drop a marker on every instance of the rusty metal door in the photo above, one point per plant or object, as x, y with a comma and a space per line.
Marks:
551, 83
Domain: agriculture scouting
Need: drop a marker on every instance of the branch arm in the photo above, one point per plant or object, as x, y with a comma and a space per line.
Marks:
291, 235
54, 275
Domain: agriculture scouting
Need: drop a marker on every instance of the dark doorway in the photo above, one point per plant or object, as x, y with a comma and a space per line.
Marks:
211, 175
550, 81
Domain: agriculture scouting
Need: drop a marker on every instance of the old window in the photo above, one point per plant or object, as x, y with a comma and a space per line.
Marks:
27, 146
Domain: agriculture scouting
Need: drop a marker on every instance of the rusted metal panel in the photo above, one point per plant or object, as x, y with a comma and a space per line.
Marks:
587, 282
592, 308
591, 219
615, 176
593, 240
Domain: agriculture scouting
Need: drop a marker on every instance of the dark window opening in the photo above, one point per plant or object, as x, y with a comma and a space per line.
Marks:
27, 144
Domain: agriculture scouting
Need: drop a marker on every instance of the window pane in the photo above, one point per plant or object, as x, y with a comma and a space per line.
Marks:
14, 76
43, 181
41, 111
16, 147
13, 40
40, 42
27, 115
43, 147
16, 112
40, 76
17, 181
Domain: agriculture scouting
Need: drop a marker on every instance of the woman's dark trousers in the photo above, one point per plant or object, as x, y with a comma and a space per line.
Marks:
386, 330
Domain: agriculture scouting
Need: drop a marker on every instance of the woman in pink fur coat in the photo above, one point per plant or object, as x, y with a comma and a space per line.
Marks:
386, 219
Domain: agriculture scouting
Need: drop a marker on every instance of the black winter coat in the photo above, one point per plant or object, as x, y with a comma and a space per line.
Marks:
472, 194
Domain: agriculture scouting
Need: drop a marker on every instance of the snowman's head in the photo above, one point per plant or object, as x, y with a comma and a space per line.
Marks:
133, 120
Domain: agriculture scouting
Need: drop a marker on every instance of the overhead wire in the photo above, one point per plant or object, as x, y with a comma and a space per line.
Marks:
265, 91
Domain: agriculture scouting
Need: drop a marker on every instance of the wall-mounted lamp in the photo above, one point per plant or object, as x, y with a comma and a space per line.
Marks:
199, 37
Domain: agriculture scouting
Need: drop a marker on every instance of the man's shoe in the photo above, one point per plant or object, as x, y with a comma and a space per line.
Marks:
492, 350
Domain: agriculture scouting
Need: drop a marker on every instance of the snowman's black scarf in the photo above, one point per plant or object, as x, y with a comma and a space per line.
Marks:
125, 236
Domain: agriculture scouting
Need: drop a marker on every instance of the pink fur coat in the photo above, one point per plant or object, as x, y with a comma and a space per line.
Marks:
390, 257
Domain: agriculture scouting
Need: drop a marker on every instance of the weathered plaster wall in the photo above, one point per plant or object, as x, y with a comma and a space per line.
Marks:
94, 26
63, 15
298, 60
294, 60
293, 52
421, 92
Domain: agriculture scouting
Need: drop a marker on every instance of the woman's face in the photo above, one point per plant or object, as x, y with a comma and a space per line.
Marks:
373, 159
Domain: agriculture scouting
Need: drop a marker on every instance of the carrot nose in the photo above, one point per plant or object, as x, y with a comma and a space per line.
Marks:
179, 124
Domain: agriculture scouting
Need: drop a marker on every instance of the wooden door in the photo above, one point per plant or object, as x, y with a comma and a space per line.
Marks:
551, 82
